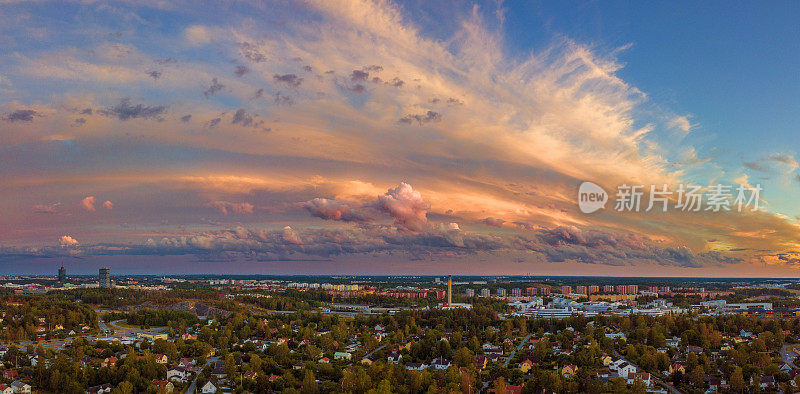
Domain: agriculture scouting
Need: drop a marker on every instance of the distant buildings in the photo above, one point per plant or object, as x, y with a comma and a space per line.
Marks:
485, 292
62, 274
104, 279
566, 289
501, 292
470, 293
516, 292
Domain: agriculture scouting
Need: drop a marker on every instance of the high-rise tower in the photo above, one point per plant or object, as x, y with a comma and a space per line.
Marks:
62, 274
105, 277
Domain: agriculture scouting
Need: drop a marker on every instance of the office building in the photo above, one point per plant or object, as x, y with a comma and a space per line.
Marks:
544, 291
62, 274
104, 279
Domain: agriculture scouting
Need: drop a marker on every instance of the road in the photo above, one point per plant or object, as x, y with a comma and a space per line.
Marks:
193, 387
513, 352
376, 349
788, 355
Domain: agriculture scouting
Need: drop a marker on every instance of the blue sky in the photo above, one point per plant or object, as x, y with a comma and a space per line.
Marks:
396, 131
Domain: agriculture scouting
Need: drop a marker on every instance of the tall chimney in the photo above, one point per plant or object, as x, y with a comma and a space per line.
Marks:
449, 290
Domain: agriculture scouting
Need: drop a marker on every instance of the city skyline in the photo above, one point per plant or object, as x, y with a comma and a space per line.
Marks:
378, 137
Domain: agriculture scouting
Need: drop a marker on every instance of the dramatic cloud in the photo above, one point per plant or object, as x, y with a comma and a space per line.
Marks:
238, 208
88, 204
242, 117
241, 71
406, 206
290, 236
126, 111
494, 140
66, 241
288, 79
339, 210
215, 87
421, 119
46, 208
108, 205
493, 222
21, 115
250, 52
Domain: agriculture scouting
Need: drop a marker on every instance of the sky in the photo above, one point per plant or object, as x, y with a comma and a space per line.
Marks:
378, 137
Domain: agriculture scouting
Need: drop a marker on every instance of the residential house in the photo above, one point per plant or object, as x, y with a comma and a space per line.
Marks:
6, 389
163, 386
643, 376
180, 374
209, 387
186, 362
342, 356
416, 366
252, 375
109, 362
441, 364
161, 359
676, 367
715, 383
513, 389
100, 389
767, 382
624, 369
20, 387
569, 371
526, 365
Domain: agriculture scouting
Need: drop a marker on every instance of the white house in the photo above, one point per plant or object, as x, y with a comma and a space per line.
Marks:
178, 373
6, 389
441, 363
624, 369
208, 388
20, 387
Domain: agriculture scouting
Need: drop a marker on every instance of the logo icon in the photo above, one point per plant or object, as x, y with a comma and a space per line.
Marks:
591, 197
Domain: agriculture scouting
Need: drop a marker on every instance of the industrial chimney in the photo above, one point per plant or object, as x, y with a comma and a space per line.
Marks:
449, 290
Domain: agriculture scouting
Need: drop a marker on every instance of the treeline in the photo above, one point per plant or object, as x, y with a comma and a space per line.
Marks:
160, 317
21, 321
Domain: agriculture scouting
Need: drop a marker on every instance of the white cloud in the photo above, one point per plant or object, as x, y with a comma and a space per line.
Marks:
198, 35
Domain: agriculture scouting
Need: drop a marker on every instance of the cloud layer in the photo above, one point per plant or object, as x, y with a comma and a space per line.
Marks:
301, 134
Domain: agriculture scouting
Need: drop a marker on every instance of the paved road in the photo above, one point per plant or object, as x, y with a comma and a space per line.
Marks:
376, 349
193, 387
519, 348
788, 356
